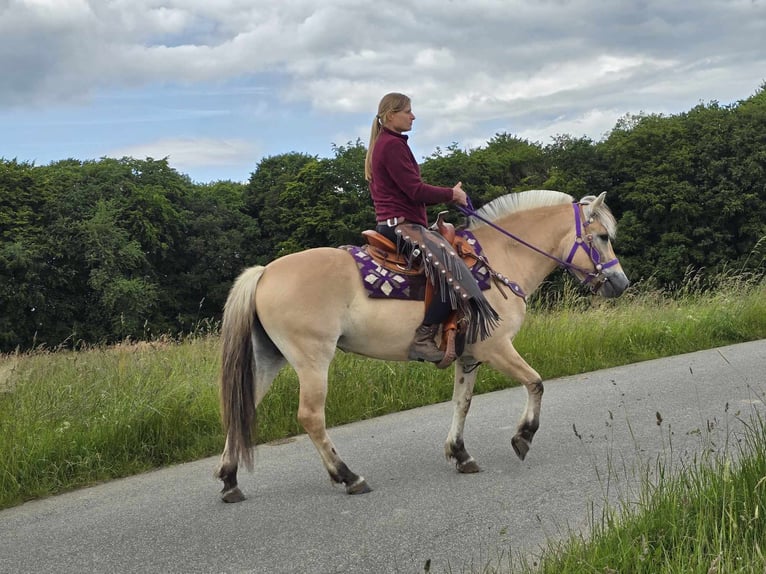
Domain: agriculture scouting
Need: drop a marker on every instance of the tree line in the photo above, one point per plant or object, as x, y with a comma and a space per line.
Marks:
103, 250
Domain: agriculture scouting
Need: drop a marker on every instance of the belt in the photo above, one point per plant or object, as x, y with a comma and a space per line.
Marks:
392, 221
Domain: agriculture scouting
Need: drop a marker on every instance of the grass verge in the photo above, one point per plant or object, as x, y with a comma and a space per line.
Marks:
706, 517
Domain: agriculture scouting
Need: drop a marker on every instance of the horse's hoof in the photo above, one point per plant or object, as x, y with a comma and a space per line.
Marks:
359, 486
520, 446
233, 495
468, 467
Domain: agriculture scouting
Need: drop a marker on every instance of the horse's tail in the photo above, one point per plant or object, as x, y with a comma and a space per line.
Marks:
240, 331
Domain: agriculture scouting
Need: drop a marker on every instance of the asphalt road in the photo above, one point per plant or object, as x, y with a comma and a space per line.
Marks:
600, 435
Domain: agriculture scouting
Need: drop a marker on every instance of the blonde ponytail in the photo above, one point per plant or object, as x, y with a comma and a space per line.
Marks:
374, 133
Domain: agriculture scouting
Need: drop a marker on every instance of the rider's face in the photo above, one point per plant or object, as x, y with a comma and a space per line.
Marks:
400, 121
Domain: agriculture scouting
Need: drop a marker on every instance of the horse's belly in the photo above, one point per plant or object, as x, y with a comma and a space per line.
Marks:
381, 328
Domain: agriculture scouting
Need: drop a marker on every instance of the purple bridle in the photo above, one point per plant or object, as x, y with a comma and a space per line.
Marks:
596, 278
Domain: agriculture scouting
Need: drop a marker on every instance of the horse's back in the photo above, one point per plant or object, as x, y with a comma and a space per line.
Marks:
303, 277
315, 299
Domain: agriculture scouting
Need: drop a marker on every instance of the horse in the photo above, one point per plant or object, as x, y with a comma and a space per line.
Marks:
301, 307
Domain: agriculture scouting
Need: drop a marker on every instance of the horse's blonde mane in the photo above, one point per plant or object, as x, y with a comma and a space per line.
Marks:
515, 202
525, 200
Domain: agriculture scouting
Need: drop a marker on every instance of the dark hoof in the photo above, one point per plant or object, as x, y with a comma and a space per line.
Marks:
468, 467
464, 462
359, 486
520, 446
233, 495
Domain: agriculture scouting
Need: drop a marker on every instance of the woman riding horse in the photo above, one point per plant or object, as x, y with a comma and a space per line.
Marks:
271, 320
400, 196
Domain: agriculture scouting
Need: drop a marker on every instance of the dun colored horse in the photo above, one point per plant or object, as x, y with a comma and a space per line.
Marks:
299, 308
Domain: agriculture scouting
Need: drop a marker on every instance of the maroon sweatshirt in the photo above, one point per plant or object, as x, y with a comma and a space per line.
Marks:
396, 187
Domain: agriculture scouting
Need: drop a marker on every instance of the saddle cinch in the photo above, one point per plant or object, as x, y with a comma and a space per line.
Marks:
383, 251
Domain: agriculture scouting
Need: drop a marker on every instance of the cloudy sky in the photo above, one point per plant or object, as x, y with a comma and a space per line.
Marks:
216, 85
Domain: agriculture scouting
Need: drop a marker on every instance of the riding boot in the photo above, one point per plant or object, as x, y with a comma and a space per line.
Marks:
423, 347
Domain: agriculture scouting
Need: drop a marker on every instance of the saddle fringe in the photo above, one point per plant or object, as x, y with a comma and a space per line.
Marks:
447, 271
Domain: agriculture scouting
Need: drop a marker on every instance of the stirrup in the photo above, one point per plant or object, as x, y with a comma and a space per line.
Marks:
449, 352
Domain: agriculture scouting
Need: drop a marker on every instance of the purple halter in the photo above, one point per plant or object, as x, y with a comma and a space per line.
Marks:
586, 244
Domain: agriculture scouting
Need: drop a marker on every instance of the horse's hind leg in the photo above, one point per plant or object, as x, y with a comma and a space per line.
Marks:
266, 370
454, 447
227, 472
510, 363
311, 415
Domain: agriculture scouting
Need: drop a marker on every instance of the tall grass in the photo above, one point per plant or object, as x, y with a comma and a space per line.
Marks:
708, 517
578, 333
69, 419
73, 418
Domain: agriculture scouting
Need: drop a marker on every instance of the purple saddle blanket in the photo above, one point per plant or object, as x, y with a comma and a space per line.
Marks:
383, 283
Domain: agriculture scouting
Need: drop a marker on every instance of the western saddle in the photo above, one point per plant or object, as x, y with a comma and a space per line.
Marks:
384, 253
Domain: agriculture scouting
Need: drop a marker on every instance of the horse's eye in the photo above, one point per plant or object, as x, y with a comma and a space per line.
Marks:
603, 237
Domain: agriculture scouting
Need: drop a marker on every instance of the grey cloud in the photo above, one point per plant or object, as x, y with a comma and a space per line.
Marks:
480, 62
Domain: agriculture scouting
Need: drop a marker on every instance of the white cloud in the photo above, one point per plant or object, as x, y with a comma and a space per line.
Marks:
183, 153
472, 67
593, 123
504, 49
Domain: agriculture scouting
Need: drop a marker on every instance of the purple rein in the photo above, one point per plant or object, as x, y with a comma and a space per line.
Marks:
594, 279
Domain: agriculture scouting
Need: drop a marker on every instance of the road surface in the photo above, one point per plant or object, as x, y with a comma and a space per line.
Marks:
599, 434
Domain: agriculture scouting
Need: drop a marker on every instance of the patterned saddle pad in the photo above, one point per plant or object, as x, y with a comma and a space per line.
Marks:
382, 283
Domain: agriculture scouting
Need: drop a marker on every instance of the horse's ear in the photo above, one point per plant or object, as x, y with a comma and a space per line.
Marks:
599, 200
594, 205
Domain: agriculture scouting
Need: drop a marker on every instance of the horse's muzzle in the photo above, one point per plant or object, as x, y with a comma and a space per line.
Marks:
613, 285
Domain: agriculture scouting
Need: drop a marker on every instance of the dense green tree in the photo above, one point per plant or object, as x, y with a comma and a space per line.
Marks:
123, 297
505, 164
577, 166
328, 203
689, 188
267, 183
220, 242
96, 251
85, 250
24, 254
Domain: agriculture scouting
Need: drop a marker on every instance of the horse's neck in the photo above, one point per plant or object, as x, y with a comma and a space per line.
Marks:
518, 262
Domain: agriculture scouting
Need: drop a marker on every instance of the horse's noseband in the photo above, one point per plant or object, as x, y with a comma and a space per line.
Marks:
596, 278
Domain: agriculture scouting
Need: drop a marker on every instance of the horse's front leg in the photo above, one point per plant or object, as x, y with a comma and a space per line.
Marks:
510, 363
462, 393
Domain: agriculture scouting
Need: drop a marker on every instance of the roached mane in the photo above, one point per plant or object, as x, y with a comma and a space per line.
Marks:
524, 200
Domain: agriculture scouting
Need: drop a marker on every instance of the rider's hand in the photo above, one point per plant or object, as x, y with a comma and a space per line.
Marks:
458, 195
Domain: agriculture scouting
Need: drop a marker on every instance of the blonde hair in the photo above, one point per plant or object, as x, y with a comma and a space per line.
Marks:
390, 103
